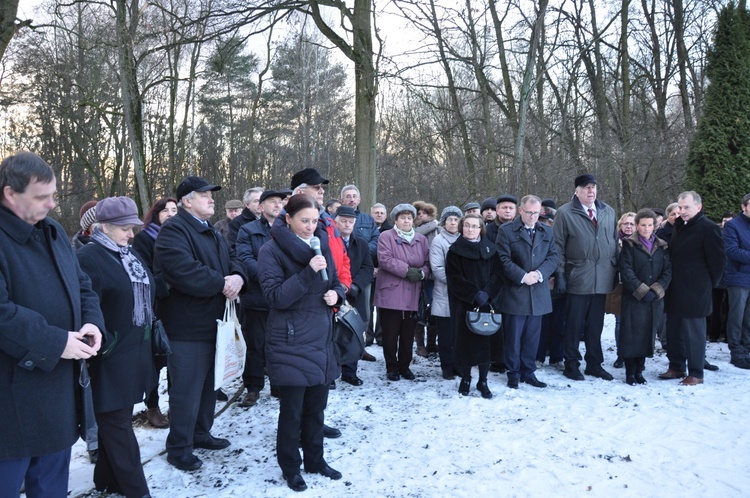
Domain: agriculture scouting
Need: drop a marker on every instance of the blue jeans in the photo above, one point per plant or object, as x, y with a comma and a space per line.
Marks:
44, 476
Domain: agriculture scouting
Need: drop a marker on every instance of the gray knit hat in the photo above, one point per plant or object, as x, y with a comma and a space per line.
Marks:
450, 211
402, 208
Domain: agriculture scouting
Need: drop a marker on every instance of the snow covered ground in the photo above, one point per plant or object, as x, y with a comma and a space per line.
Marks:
422, 439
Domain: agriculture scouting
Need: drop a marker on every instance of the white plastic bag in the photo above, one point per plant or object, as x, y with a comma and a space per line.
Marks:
230, 347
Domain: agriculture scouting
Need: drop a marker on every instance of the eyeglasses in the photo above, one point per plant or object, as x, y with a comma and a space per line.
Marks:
472, 227
319, 188
532, 213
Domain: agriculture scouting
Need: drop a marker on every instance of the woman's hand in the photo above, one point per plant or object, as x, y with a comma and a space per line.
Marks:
317, 263
330, 297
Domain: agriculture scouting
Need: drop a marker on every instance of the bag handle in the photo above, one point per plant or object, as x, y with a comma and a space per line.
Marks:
492, 310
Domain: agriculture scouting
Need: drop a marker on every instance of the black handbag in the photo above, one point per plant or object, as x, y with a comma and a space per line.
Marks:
348, 335
87, 428
159, 341
422, 314
483, 322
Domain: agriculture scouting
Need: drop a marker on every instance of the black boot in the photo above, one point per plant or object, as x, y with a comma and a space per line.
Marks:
464, 386
640, 366
484, 389
629, 371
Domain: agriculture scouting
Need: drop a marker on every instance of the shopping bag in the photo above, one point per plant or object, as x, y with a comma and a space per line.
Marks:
230, 347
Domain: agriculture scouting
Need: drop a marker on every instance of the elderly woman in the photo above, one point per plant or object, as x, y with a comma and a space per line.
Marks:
299, 335
426, 224
473, 271
664, 232
143, 244
440, 309
646, 271
124, 372
625, 228
404, 262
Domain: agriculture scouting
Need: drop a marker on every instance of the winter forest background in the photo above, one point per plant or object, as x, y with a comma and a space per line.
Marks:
448, 101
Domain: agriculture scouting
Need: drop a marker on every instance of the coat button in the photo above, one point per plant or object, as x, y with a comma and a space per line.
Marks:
28, 363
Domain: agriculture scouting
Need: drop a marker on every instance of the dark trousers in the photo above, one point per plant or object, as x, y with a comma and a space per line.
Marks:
118, 466
254, 330
192, 398
44, 476
373, 328
716, 322
398, 338
553, 333
738, 322
521, 340
584, 313
686, 342
350, 369
484, 369
152, 400
301, 417
446, 342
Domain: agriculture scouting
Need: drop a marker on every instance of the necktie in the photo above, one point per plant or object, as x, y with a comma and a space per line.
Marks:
591, 215
530, 231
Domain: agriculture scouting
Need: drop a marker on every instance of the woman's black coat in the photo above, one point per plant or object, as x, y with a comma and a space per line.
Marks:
469, 268
120, 377
640, 272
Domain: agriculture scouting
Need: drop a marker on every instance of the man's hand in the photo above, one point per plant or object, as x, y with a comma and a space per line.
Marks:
76, 349
232, 286
531, 278
94, 334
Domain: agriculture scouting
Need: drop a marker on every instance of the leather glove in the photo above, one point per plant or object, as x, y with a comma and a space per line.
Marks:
649, 296
354, 291
561, 285
414, 274
481, 299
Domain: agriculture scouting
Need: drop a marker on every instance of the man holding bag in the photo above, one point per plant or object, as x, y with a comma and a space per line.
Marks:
202, 273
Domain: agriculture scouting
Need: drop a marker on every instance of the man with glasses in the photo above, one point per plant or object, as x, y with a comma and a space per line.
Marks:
586, 236
527, 252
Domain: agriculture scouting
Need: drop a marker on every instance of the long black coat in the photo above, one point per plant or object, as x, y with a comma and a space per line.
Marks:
193, 259
641, 271
698, 258
299, 331
43, 296
519, 255
360, 264
250, 238
127, 372
469, 268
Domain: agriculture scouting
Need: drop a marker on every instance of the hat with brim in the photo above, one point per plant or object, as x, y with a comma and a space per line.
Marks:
117, 211
194, 184
308, 176
402, 208
507, 198
273, 193
234, 204
345, 211
471, 205
583, 180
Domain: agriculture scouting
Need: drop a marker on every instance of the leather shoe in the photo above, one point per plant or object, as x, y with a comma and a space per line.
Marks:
295, 482
407, 374
393, 376
573, 373
156, 418
185, 462
671, 374
221, 395
709, 366
327, 471
331, 432
534, 382
513, 383
619, 363
249, 400
483, 388
599, 372
691, 381
464, 386
368, 357
212, 443
743, 363
353, 380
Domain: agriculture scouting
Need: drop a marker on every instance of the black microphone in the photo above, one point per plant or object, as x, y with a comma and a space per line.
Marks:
315, 245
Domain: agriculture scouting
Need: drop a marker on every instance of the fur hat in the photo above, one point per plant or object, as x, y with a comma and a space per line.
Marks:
401, 208
450, 211
428, 208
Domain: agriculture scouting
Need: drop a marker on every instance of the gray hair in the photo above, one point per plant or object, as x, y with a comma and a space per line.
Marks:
690, 193
349, 187
249, 192
299, 189
190, 195
379, 205
530, 198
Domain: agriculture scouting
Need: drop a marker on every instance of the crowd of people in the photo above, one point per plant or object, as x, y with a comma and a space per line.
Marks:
290, 257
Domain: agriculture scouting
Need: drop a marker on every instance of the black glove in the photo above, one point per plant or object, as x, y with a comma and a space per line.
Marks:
650, 296
354, 291
561, 285
414, 274
481, 299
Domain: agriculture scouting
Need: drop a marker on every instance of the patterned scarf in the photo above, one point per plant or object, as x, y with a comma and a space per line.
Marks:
142, 312
407, 236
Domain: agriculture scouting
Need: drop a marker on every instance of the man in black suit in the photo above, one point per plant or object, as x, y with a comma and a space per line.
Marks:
698, 259
362, 269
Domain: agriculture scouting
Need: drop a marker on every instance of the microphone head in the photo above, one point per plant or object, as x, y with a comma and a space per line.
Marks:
315, 243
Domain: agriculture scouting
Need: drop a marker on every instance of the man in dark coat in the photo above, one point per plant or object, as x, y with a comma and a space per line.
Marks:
374, 330
505, 212
234, 209
586, 237
528, 255
196, 262
251, 212
250, 238
698, 257
737, 278
361, 267
47, 311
